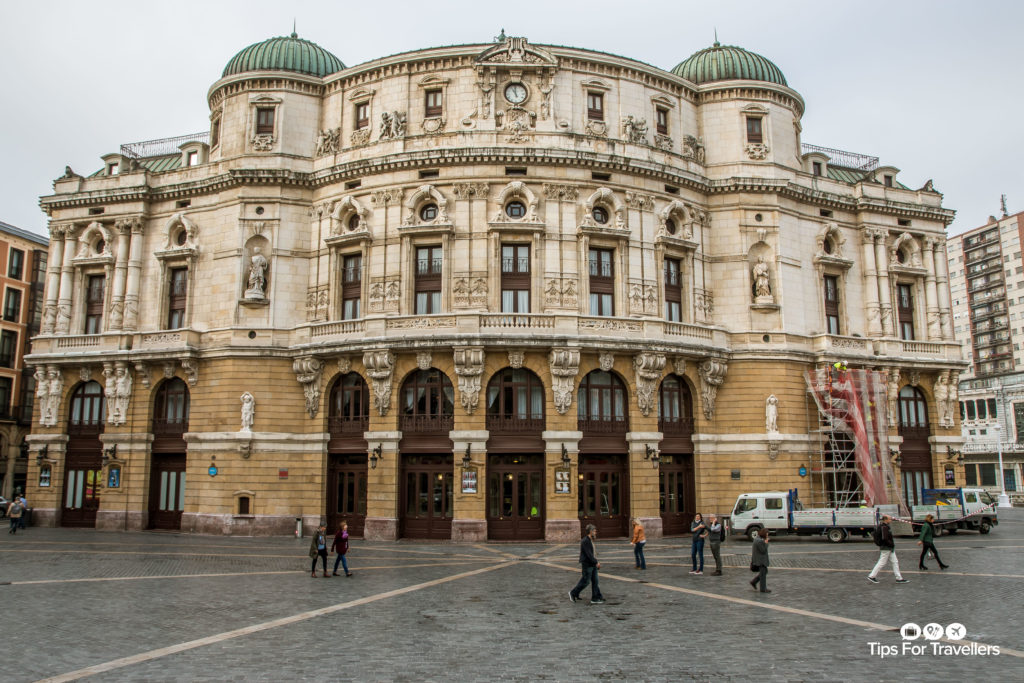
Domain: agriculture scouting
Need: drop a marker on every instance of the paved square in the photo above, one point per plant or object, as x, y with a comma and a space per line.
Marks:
167, 607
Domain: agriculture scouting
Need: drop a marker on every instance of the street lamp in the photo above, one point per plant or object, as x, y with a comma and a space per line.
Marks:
1004, 500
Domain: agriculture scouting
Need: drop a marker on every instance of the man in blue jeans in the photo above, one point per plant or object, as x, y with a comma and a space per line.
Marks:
588, 560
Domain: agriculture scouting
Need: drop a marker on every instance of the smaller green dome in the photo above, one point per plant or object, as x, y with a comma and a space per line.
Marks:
284, 54
727, 62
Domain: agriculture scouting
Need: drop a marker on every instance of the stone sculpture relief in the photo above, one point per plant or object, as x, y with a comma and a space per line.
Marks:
307, 371
257, 279
712, 375
757, 151
469, 366
515, 359
606, 361
424, 359
649, 368
693, 147
263, 142
191, 368
771, 414
762, 286
359, 137
248, 412
328, 142
634, 130
122, 392
565, 364
892, 392
380, 365
392, 125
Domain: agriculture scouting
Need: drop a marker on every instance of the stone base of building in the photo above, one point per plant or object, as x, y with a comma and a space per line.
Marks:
246, 525
44, 517
562, 530
652, 527
469, 530
121, 520
380, 529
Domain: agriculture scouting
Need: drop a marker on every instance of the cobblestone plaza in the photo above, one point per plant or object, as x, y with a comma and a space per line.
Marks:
153, 606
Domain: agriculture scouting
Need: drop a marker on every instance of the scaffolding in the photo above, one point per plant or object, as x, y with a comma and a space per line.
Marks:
850, 466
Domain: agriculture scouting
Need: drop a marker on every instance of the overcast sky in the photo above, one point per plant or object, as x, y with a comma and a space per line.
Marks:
932, 88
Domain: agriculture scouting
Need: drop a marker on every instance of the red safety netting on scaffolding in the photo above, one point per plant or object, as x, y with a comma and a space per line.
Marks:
854, 402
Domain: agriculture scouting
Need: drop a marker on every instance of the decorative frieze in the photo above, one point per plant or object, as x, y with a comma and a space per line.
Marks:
634, 130
757, 151
640, 202
471, 190
420, 323
569, 193
663, 142
469, 367
328, 142
380, 366
359, 137
469, 289
643, 297
307, 371
392, 125
191, 368
649, 368
693, 148
712, 375
565, 365
316, 303
610, 324
384, 294
263, 142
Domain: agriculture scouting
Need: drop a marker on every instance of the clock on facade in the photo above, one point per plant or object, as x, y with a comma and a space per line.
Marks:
515, 93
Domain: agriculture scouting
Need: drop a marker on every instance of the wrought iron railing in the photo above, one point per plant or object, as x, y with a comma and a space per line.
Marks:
838, 157
85, 428
502, 423
612, 425
675, 426
161, 147
426, 423
169, 427
348, 425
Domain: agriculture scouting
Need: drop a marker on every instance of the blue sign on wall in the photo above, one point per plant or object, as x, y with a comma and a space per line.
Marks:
803, 471
213, 470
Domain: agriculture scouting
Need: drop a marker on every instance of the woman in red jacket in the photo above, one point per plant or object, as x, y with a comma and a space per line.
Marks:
341, 546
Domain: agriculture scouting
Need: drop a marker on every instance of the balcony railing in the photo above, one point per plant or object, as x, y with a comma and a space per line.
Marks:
838, 157
169, 427
678, 426
85, 428
337, 327
161, 147
503, 424
517, 320
426, 424
612, 425
348, 425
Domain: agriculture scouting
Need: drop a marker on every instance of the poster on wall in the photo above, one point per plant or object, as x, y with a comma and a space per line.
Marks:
469, 480
562, 480
950, 476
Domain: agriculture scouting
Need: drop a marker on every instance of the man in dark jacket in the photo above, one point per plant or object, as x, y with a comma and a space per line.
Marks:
887, 551
588, 560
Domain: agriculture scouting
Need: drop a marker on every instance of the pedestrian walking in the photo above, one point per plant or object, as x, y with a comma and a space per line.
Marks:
886, 551
340, 546
699, 531
14, 511
759, 559
24, 511
590, 565
318, 549
925, 540
639, 541
716, 534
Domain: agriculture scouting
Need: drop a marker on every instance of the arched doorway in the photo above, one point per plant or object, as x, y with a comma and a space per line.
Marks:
515, 455
167, 472
915, 451
84, 462
426, 415
603, 417
348, 417
675, 472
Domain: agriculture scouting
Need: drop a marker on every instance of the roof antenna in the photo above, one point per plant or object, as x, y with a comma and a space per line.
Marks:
294, 34
717, 44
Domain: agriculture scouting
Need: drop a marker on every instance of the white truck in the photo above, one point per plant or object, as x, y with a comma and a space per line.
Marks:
781, 512
959, 508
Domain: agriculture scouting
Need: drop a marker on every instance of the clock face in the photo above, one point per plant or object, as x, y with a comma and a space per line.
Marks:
515, 93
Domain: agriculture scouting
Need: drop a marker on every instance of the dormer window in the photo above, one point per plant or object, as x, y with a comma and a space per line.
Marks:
265, 121
595, 106
887, 180
362, 115
816, 168
112, 168
754, 134
193, 159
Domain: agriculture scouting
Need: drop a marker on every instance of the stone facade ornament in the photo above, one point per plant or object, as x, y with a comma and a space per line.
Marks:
941, 391
359, 137
693, 147
914, 378
634, 130
169, 367
49, 389
344, 365
569, 193
892, 393
771, 414
263, 142
643, 298
257, 280
663, 142
191, 368
328, 142
679, 365
433, 125
469, 366
648, 368
605, 361
380, 366
712, 375
308, 371
640, 202
424, 360
122, 392
385, 197
757, 151
85, 373
515, 359
248, 412
470, 190
598, 129
392, 125
143, 371
565, 364
954, 396
762, 285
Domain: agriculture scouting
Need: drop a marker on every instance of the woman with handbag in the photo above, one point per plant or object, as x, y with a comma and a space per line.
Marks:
926, 541
759, 561
318, 549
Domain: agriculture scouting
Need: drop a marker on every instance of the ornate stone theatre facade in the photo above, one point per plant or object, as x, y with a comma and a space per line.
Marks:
481, 291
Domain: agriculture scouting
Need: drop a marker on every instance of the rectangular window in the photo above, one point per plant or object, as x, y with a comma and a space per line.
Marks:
8, 346
432, 103
987, 472
113, 168
215, 134
1018, 419
12, 305
971, 415
982, 414
673, 291
832, 304
595, 106
362, 115
5, 396
661, 125
176, 296
94, 304
905, 310
265, 121
429, 263
816, 167
602, 282
888, 180
351, 287
754, 134
515, 278
971, 475
193, 158
16, 264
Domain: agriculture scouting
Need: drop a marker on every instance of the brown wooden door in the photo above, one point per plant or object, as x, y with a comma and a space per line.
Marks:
346, 493
166, 491
604, 494
676, 493
82, 480
426, 507
515, 497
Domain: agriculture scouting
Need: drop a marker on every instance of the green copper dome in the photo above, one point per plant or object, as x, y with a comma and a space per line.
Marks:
284, 54
726, 62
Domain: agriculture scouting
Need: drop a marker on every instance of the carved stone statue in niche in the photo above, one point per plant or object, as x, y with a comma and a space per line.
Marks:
257, 275
762, 286
771, 414
248, 411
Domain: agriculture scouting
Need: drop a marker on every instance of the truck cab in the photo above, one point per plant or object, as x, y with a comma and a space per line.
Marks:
755, 511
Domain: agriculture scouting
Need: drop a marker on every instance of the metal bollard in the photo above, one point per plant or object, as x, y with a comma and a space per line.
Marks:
298, 527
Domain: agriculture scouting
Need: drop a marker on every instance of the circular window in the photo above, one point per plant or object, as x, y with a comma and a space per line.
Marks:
828, 246
766, 339
180, 238
515, 209
353, 221
428, 212
600, 214
100, 246
670, 226
252, 334
758, 217
259, 210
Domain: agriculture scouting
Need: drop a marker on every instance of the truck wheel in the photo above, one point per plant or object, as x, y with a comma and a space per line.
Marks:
836, 535
752, 533
951, 530
984, 527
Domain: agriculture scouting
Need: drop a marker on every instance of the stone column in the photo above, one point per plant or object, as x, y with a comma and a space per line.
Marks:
942, 283
67, 272
131, 295
53, 268
882, 270
931, 297
120, 273
562, 521
871, 284
469, 519
382, 487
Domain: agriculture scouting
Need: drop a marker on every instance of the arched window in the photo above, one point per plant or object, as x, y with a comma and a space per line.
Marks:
88, 409
515, 402
349, 410
602, 404
675, 406
170, 410
428, 402
913, 408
